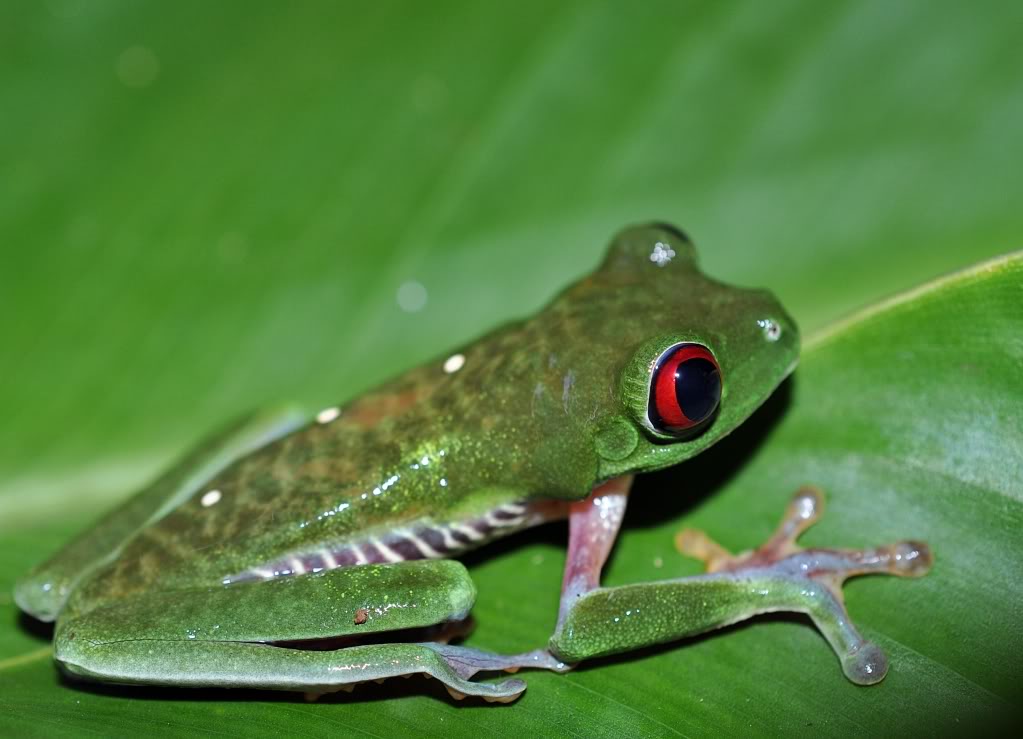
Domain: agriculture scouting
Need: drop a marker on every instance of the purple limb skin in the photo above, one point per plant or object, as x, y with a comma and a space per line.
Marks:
593, 525
466, 662
596, 621
818, 574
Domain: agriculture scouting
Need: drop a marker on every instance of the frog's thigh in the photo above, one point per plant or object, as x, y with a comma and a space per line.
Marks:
218, 637
45, 589
350, 601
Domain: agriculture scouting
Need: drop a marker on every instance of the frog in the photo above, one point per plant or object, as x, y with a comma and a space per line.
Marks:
313, 552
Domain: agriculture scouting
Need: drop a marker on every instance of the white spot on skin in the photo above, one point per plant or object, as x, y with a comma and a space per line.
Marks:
454, 363
137, 66
662, 254
566, 388
328, 414
209, 498
411, 296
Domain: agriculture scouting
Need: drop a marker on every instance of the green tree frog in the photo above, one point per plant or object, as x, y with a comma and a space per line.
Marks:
289, 533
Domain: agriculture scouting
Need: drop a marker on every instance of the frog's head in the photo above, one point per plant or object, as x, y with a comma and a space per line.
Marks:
694, 357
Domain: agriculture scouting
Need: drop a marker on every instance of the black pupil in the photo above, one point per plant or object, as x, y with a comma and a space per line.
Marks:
697, 388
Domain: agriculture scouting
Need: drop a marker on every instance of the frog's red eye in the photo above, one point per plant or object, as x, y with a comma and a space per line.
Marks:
686, 388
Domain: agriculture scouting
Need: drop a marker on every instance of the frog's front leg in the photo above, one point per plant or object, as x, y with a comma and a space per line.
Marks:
779, 576
232, 636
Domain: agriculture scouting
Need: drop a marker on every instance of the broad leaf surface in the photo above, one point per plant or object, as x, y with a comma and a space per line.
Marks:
209, 207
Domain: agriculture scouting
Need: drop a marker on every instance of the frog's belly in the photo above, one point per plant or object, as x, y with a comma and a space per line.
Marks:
418, 540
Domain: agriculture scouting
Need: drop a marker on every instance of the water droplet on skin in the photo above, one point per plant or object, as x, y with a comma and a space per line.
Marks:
662, 254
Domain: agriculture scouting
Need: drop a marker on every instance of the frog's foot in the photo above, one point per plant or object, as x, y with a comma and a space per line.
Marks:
453, 666
810, 580
461, 664
312, 672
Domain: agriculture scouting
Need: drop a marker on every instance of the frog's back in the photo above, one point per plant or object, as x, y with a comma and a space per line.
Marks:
418, 468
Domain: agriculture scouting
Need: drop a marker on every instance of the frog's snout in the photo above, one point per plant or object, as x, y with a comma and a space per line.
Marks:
778, 330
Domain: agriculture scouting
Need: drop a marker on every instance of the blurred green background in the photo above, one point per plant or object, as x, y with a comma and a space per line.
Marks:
205, 206
210, 206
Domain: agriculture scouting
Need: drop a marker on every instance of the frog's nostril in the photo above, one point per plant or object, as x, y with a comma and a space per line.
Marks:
772, 329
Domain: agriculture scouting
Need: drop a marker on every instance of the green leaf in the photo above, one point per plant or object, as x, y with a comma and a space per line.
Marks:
206, 207
907, 414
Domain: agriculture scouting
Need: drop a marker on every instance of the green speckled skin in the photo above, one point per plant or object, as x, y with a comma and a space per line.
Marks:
544, 408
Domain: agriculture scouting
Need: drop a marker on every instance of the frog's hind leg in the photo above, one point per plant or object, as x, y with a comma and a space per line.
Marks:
271, 634
778, 576
44, 590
